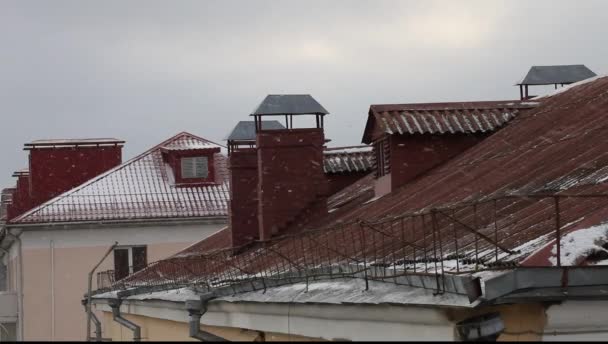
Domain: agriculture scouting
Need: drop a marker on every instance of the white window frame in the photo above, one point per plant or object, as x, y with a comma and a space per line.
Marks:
130, 254
196, 174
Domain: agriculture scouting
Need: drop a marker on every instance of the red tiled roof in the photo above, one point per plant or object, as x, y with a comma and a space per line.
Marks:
488, 203
141, 188
441, 118
348, 159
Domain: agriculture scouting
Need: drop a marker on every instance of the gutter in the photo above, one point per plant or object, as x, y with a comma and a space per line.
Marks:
196, 309
547, 281
219, 219
136, 329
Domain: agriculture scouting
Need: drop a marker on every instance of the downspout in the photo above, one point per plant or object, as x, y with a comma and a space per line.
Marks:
96, 322
89, 290
115, 305
52, 252
20, 284
196, 309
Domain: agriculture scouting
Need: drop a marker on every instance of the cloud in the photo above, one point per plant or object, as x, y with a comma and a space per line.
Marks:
145, 70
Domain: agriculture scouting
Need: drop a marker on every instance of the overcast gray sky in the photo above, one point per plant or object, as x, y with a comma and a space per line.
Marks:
143, 71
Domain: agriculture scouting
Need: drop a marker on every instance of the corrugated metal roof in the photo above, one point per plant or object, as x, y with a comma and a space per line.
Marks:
546, 147
245, 130
441, 118
292, 104
348, 159
558, 147
141, 188
563, 74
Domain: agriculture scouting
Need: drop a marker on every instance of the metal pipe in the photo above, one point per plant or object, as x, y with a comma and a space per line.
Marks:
89, 289
20, 284
95, 321
115, 305
196, 309
52, 254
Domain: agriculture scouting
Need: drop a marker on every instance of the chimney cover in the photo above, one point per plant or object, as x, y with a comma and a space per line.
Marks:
289, 104
549, 75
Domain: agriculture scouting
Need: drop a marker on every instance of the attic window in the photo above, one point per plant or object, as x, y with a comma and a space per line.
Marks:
195, 167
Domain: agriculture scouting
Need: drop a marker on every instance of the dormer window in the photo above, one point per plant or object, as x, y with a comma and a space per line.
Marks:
195, 167
191, 167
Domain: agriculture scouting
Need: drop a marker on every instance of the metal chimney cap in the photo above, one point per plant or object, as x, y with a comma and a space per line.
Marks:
289, 104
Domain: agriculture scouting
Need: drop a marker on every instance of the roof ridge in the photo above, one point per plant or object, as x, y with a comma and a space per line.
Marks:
340, 149
510, 102
105, 174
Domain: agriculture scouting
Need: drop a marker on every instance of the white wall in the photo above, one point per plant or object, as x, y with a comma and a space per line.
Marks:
577, 321
56, 263
350, 322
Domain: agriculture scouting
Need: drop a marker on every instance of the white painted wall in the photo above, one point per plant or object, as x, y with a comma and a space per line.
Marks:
350, 322
577, 321
128, 235
56, 262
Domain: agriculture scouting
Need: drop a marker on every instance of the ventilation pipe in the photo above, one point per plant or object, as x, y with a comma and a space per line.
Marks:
115, 305
196, 309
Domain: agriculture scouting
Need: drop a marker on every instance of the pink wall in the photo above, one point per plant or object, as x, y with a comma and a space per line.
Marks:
69, 284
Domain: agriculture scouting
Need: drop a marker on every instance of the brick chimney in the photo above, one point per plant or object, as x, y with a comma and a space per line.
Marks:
244, 196
277, 177
56, 166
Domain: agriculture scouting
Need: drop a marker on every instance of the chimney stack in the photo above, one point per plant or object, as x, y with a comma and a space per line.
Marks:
278, 179
56, 166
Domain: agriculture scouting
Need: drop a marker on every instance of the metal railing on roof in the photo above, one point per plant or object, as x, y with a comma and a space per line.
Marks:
414, 249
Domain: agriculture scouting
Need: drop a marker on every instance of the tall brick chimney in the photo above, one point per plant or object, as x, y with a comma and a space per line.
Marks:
292, 186
286, 185
243, 164
56, 166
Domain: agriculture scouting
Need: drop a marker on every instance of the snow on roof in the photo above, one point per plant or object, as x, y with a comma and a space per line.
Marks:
340, 291
348, 159
568, 87
577, 245
139, 189
336, 291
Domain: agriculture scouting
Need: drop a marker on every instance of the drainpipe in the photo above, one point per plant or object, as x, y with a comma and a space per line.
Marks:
115, 305
19, 283
196, 309
96, 322
89, 290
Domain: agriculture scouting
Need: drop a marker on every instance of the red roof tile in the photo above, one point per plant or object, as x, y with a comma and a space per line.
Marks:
141, 188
